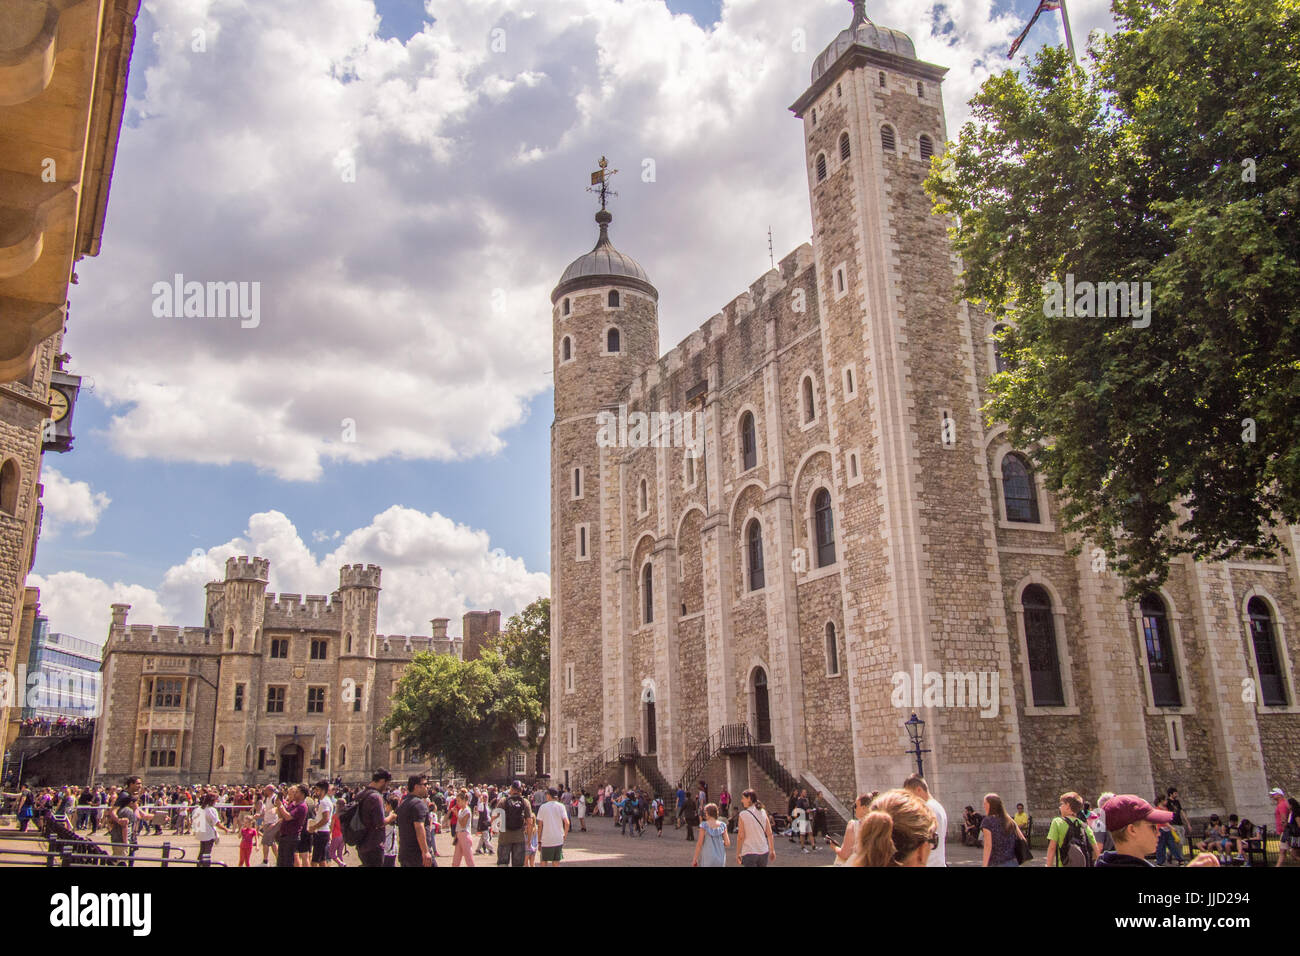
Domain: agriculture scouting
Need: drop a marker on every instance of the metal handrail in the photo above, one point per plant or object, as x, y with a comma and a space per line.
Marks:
66, 856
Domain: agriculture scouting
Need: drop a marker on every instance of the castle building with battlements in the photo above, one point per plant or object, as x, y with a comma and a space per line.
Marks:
271, 687
768, 603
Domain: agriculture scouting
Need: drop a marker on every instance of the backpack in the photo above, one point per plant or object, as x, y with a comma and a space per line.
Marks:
354, 828
515, 814
1075, 850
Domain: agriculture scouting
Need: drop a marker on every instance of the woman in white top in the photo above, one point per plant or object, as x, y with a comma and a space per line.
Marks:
754, 843
205, 823
462, 841
845, 851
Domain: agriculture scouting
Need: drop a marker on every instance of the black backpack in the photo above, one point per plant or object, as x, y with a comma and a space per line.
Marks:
354, 828
1075, 849
516, 812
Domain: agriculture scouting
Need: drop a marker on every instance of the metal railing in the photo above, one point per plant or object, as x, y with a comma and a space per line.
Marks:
65, 852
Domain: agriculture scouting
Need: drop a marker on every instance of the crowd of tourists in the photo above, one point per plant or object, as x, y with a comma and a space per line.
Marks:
383, 824
55, 726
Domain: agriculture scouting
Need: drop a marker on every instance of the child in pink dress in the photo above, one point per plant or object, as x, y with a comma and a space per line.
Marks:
247, 840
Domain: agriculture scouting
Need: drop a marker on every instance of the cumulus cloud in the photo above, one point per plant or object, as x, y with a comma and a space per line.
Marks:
407, 207
70, 504
432, 567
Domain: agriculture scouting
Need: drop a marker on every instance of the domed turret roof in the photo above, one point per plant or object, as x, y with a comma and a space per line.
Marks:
863, 31
603, 264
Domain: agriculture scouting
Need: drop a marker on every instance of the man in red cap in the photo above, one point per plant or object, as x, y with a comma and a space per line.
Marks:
1134, 825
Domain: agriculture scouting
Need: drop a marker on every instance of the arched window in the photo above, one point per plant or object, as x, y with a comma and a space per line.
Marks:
832, 651
566, 349
762, 708
613, 341
221, 756
648, 593
651, 728
1018, 490
821, 167
1267, 660
809, 406
644, 496
927, 147
887, 138
613, 298
566, 306
343, 755
1160, 653
9, 487
754, 542
1040, 643
748, 442
824, 523
999, 361
844, 146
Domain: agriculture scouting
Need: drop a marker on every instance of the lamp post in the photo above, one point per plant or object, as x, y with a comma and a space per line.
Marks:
916, 734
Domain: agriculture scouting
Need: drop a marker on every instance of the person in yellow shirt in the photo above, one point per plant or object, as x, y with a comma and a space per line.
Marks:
1021, 818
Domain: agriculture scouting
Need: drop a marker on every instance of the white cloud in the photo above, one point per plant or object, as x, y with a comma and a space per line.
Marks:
70, 504
432, 567
377, 295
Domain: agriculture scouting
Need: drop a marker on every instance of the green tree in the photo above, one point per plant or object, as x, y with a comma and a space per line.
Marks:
526, 646
1174, 160
463, 711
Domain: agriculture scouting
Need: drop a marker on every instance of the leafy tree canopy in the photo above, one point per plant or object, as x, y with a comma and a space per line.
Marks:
1173, 161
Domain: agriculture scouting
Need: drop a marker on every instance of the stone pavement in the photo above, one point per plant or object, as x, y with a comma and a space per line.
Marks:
601, 845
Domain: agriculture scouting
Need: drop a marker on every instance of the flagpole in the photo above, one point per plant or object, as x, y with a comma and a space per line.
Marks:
1069, 37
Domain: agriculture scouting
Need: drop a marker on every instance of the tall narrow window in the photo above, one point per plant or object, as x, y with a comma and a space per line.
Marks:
832, 651
582, 541
566, 306
1160, 653
887, 138
1040, 643
1018, 490
754, 537
239, 697
844, 146
748, 443
577, 482
612, 341
613, 298
644, 499
821, 167
809, 408
920, 88
824, 522
1267, 660
343, 755
9, 487
357, 694
690, 470
927, 147
648, 593
882, 78
999, 361
221, 756
762, 708
566, 349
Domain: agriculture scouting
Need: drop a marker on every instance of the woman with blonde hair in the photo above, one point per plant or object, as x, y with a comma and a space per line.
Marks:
898, 830
848, 849
999, 833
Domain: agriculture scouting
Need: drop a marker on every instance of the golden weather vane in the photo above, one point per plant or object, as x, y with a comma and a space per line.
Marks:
600, 181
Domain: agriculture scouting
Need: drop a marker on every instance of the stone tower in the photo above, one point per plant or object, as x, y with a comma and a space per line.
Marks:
606, 330
873, 118
359, 596
235, 616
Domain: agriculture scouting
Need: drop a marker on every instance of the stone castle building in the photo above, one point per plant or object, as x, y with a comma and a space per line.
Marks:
63, 77
746, 614
272, 687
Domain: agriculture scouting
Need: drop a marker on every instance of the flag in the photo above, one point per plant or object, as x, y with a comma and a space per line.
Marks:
329, 750
1043, 6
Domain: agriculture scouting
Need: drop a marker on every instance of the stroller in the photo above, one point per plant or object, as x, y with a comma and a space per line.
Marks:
59, 834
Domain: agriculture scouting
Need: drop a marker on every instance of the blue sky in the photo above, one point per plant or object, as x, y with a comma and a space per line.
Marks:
412, 299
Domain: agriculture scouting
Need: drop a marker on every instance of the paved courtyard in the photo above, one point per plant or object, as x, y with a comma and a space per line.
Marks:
601, 845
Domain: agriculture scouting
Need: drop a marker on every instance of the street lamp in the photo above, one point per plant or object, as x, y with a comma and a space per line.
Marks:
916, 734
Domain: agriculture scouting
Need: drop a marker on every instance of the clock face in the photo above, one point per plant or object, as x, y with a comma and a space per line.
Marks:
58, 405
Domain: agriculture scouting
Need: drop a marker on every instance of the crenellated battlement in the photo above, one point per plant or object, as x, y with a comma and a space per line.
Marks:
359, 576
244, 568
165, 635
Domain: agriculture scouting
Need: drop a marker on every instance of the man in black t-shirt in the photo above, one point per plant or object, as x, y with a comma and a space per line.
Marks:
412, 825
122, 816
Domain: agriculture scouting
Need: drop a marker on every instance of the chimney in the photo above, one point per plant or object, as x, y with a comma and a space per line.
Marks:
440, 628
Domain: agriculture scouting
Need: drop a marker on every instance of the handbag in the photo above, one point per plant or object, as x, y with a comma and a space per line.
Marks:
1023, 853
